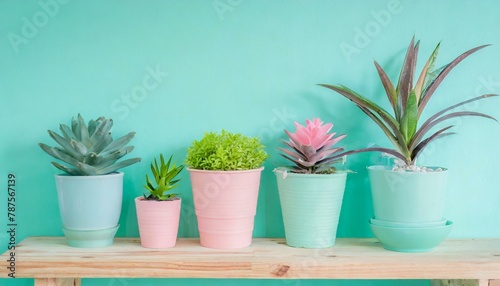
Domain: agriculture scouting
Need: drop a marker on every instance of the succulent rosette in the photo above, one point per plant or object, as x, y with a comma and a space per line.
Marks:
312, 147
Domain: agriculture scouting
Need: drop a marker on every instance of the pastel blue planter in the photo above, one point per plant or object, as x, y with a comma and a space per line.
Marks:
311, 205
90, 208
407, 197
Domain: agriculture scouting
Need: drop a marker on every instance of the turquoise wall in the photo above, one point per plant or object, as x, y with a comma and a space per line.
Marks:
171, 70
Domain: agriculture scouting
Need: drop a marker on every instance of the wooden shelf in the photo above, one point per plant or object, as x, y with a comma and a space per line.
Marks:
47, 258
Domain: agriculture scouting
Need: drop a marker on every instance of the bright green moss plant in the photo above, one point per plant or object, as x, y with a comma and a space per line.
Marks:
226, 151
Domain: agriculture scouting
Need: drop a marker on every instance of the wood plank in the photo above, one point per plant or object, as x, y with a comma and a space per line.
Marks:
57, 282
49, 257
459, 282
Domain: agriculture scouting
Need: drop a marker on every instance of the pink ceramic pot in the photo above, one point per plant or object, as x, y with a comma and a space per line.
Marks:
225, 203
158, 222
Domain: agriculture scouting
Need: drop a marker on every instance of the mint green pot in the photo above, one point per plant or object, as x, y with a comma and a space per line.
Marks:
311, 205
407, 197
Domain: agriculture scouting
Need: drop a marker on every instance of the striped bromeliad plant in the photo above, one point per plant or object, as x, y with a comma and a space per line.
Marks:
312, 148
408, 100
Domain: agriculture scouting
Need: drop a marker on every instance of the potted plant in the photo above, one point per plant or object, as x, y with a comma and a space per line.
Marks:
90, 191
311, 191
225, 173
408, 195
158, 213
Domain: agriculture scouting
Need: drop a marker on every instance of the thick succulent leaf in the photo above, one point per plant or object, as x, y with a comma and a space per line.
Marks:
421, 145
94, 125
120, 153
88, 170
102, 159
431, 88
75, 128
174, 182
164, 168
66, 145
103, 128
66, 132
156, 171
54, 152
119, 165
405, 83
173, 172
68, 170
409, 121
149, 185
84, 132
429, 123
389, 89
100, 142
79, 147
103, 164
426, 71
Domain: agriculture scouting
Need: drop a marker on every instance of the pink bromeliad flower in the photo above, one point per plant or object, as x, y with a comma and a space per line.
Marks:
311, 147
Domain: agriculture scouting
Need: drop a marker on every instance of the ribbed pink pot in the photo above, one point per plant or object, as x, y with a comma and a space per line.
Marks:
225, 203
158, 222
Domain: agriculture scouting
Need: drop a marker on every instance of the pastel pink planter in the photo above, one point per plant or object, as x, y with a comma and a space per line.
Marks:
158, 222
225, 203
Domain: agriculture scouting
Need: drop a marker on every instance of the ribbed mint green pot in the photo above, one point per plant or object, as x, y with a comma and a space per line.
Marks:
311, 205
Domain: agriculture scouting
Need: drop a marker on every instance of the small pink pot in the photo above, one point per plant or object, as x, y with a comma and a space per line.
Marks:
158, 222
225, 203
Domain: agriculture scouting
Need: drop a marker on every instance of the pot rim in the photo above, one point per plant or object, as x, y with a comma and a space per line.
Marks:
225, 172
114, 174
283, 170
141, 199
384, 168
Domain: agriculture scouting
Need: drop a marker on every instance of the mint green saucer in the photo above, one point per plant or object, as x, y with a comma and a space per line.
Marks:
90, 238
404, 239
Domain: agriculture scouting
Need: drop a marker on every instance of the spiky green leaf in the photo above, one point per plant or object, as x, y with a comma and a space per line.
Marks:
431, 122
431, 88
389, 89
409, 121
405, 83
425, 73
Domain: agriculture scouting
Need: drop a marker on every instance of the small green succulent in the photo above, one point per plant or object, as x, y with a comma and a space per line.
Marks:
89, 148
164, 176
226, 151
